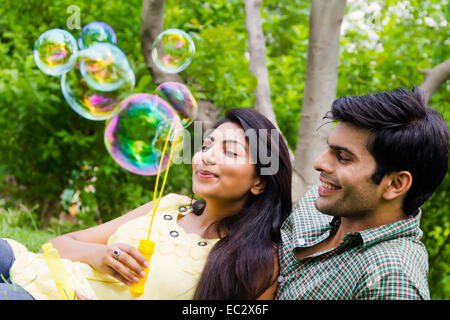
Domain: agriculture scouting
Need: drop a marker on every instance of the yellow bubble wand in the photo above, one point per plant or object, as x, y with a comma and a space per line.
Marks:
147, 247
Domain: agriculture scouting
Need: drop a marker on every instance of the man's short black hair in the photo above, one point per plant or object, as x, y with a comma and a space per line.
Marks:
407, 135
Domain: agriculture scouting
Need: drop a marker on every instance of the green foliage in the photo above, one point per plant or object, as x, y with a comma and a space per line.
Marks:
436, 228
219, 70
21, 224
286, 28
46, 144
50, 155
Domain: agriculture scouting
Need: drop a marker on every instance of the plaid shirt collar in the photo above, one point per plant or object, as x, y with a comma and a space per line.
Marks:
408, 227
324, 225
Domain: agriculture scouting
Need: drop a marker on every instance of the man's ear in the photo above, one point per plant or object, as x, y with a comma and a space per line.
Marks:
258, 186
398, 184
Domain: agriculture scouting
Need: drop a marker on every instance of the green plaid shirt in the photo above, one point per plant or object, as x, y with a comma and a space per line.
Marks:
386, 262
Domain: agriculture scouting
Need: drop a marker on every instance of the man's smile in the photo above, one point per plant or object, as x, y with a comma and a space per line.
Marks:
326, 187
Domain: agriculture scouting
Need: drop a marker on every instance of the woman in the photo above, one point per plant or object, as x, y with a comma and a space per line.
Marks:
223, 247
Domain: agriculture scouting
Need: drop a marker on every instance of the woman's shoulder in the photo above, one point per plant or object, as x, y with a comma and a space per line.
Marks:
173, 201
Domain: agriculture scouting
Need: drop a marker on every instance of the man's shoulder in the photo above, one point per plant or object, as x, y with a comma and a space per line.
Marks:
389, 270
396, 255
394, 252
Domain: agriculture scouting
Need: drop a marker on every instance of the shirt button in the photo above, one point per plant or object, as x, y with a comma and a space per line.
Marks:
280, 279
301, 241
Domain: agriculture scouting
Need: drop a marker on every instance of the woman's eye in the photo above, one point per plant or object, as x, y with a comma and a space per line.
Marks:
231, 153
203, 148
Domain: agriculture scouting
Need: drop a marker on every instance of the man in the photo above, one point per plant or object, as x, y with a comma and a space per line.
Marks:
356, 235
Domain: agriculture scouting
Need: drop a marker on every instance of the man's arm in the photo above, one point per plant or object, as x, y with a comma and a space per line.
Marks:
394, 285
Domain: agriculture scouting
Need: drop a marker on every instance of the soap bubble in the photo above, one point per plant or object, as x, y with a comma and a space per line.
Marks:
173, 50
135, 137
181, 99
55, 52
96, 31
105, 67
90, 103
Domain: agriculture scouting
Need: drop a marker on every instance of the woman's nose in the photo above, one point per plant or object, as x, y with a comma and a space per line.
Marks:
209, 157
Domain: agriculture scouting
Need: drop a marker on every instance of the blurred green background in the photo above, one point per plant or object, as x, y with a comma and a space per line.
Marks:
56, 175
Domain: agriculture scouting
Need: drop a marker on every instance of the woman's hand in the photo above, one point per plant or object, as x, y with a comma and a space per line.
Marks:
126, 267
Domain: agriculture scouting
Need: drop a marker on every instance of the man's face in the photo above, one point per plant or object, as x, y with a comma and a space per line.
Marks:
345, 169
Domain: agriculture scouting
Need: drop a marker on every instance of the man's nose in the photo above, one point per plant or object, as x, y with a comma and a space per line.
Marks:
323, 162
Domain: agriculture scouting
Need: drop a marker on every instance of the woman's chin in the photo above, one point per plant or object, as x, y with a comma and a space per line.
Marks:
202, 192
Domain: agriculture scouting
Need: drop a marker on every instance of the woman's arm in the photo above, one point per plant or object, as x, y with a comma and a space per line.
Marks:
90, 246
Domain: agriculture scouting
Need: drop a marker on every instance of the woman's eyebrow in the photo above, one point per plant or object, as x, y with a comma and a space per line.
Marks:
233, 141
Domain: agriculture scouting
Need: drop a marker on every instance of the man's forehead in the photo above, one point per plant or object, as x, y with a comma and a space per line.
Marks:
350, 136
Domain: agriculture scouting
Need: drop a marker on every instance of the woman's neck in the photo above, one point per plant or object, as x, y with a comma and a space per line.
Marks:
217, 210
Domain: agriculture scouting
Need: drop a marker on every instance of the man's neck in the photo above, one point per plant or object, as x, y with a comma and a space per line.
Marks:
350, 224
380, 217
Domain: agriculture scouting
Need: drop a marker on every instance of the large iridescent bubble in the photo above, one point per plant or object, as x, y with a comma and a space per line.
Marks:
135, 137
173, 50
181, 99
94, 32
88, 102
105, 67
55, 52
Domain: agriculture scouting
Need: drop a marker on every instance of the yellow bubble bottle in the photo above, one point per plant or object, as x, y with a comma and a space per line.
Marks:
147, 248
58, 273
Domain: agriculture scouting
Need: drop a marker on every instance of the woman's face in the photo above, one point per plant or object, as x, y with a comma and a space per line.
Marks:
223, 169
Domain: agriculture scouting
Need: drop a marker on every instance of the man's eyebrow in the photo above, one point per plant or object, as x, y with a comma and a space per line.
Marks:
340, 148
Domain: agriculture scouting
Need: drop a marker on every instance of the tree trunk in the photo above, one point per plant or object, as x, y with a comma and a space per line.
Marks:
434, 78
257, 50
152, 22
48, 207
320, 89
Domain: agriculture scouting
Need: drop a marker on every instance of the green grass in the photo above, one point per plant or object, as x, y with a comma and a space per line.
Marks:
21, 224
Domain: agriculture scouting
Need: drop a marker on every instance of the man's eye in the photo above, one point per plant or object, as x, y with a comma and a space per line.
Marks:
231, 153
340, 158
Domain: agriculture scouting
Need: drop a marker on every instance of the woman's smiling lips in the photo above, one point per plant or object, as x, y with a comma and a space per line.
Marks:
205, 174
327, 187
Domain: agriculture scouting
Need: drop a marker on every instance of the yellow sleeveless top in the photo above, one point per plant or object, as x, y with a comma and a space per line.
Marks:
175, 266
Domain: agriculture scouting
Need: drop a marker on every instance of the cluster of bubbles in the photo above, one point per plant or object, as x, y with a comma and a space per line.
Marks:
97, 82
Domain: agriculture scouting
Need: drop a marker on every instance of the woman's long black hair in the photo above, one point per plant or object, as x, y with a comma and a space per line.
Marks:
241, 263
